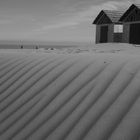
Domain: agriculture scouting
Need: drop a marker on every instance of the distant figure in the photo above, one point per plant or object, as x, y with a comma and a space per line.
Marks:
21, 47
36, 47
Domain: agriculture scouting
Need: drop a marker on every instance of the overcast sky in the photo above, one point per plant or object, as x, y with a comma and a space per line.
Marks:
52, 20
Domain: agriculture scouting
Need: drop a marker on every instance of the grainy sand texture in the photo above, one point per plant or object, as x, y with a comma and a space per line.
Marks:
85, 95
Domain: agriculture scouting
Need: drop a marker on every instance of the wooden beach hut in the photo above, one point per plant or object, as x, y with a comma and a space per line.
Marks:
118, 26
108, 26
131, 23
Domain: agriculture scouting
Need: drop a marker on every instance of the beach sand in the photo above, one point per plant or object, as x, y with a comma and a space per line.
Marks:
73, 94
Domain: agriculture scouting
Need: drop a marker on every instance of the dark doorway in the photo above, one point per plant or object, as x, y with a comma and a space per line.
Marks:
135, 33
104, 34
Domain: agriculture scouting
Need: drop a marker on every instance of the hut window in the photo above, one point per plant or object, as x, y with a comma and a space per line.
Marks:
118, 28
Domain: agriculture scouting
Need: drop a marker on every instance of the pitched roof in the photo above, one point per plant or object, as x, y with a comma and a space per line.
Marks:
126, 13
113, 15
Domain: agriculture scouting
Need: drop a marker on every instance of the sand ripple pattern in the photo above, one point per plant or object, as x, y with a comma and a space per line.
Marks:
69, 97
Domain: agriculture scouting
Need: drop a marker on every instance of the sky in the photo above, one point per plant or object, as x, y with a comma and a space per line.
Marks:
53, 20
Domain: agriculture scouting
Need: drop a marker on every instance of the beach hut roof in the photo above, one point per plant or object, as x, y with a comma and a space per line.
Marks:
128, 11
112, 15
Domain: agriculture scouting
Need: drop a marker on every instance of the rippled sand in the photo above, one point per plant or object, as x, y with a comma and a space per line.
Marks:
45, 96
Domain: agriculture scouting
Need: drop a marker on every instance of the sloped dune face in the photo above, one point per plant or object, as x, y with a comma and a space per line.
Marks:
69, 97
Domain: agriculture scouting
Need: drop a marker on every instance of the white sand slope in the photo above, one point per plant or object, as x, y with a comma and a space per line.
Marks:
69, 96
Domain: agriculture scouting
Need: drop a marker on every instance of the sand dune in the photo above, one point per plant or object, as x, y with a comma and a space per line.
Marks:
69, 96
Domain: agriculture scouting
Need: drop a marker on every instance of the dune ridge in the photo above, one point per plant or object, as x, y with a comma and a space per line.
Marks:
69, 96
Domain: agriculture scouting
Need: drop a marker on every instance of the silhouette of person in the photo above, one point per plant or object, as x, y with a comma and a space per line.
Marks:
36, 47
21, 47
